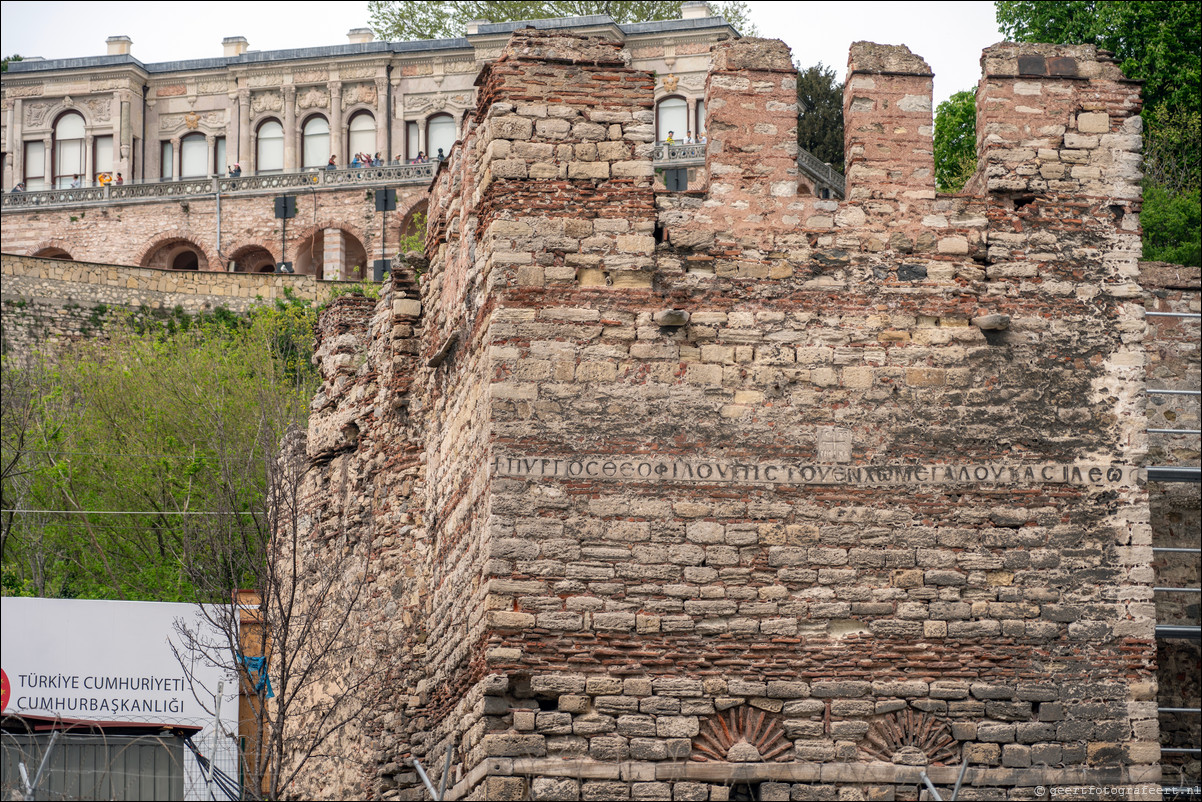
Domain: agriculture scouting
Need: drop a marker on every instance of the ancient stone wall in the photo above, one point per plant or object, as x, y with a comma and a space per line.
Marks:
45, 302
736, 491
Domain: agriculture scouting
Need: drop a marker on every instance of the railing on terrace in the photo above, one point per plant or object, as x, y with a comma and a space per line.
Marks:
821, 172
691, 155
194, 187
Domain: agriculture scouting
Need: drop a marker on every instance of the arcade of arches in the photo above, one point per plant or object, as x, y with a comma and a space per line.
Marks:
176, 254
330, 254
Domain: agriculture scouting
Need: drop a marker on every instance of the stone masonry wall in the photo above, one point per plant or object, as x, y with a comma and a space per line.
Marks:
52, 301
665, 495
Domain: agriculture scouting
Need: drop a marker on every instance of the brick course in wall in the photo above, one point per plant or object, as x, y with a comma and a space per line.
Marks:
666, 493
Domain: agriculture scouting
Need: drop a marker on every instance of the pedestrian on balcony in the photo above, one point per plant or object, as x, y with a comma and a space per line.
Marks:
235, 171
105, 179
377, 161
20, 187
440, 156
119, 180
75, 182
688, 138
421, 157
332, 164
701, 140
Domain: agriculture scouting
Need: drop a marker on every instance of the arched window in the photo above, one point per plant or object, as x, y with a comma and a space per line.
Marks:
362, 134
194, 156
68, 149
269, 154
440, 133
316, 147
671, 118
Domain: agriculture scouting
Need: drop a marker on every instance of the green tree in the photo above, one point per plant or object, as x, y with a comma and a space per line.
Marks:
416, 19
124, 450
1157, 43
820, 120
955, 141
7, 59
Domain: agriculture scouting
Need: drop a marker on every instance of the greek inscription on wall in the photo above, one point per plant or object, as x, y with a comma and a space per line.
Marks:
170, 90
35, 114
313, 98
310, 76
359, 93
266, 101
802, 473
268, 79
212, 87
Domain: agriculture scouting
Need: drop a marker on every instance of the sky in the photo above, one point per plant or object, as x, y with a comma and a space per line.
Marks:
949, 36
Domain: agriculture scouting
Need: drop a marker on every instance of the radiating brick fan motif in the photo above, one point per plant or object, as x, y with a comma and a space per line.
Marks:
741, 735
911, 738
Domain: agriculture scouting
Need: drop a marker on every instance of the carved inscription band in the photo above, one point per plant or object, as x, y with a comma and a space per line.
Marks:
790, 473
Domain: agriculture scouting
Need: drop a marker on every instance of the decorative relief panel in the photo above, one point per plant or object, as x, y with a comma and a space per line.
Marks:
106, 84
424, 67
741, 735
35, 114
192, 121
266, 101
22, 91
313, 98
357, 71
216, 87
99, 109
310, 76
437, 101
170, 90
268, 79
694, 82
460, 65
359, 93
911, 738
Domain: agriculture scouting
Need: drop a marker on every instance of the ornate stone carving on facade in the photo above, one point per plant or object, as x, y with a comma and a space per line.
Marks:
313, 98
267, 79
191, 121
99, 109
460, 65
670, 82
22, 91
266, 101
212, 87
106, 84
35, 114
171, 90
357, 71
68, 102
310, 76
694, 82
437, 101
911, 738
359, 93
742, 735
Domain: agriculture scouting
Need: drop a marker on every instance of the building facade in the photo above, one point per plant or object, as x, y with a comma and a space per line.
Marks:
71, 121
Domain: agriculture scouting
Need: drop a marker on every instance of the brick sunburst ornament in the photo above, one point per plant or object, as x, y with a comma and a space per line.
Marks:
910, 738
741, 735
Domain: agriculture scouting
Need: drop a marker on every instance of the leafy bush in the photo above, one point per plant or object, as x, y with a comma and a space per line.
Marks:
1172, 221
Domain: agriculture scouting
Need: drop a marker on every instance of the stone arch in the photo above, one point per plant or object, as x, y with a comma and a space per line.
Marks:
52, 249
311, 255
175, 253
253, 258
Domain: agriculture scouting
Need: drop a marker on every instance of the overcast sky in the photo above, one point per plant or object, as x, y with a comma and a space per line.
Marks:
949, 36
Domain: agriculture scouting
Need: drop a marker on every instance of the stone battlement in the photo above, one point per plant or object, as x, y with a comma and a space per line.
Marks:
665, 493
